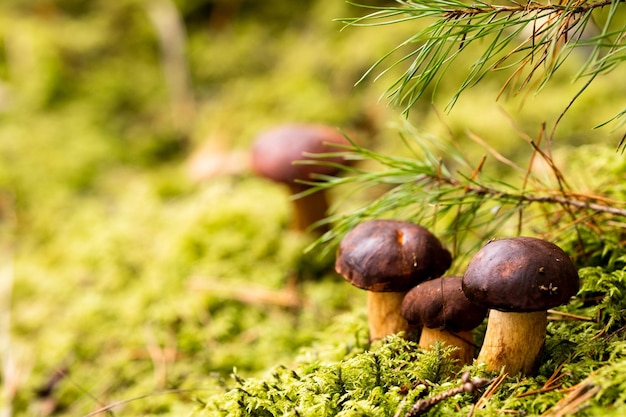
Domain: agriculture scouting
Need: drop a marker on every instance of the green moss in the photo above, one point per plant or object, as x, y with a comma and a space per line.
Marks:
365, 382
125, 273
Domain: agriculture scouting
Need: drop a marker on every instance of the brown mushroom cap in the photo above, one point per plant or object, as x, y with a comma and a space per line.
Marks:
520, 274
275, 151
441, 304
390, 256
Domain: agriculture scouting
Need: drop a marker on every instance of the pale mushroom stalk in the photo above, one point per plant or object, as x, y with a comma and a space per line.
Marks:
383, 312
308, 209
463, 340
513, 341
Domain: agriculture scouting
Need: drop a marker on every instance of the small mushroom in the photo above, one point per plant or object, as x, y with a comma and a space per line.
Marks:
447, 316
275, 152
387, 258
518, 279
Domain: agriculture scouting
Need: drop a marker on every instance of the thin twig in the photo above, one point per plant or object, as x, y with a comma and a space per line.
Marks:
551, 383
495, 386
570, 316
108, 408
287, 297
468, 384
564, 199
572, 403
492, 151
582, 7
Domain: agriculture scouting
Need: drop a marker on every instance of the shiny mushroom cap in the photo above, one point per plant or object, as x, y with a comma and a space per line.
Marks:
520, 274
390, 256
275, 151
441, 304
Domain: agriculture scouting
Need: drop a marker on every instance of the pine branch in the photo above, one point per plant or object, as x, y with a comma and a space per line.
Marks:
552, 197
468, 385
463, 204
580, 6
531, 41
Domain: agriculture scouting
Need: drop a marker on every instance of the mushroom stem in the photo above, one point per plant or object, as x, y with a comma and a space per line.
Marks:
308, 209
464, 340
384, 314
513, 341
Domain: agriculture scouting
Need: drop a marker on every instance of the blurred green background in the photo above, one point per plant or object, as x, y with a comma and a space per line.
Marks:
130, 224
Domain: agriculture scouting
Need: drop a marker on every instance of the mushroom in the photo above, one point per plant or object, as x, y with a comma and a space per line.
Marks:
275, 152
447, 316
387, 258
518, 279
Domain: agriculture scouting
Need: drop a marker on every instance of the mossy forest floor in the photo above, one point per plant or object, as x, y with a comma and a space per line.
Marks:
145, 271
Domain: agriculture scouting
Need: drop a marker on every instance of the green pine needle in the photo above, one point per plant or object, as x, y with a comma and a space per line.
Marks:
529, 42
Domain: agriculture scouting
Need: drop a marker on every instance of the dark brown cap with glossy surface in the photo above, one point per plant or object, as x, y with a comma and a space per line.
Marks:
520, 274
390, 256
275, 151
441, 304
